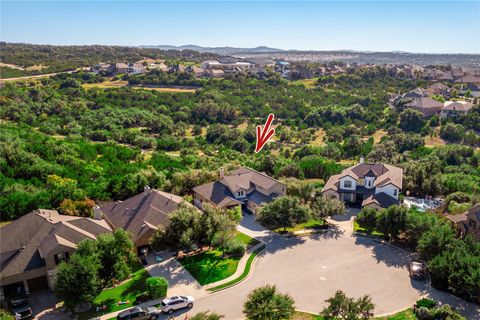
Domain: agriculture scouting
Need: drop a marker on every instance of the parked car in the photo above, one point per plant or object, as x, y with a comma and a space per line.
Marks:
417, 270
19, 305
171, 304
138, 313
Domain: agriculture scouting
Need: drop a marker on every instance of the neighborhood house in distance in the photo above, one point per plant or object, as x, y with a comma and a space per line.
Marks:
467, 223
243, 187
369, 185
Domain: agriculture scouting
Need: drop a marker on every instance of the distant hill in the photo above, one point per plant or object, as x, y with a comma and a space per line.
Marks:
348, 56
217, 50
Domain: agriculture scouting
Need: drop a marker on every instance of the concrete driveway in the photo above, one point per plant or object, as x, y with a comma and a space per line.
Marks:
180, 281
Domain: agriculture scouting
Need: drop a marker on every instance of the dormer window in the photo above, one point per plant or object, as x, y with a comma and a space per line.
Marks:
241, 193
347, 184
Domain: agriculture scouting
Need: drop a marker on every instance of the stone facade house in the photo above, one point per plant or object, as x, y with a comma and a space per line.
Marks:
375, 185
32, 246
244, 187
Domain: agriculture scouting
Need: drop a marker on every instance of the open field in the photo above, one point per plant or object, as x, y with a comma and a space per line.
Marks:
378, 135
121, 83
319, 136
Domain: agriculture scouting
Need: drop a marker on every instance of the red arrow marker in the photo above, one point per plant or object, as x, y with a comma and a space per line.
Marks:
263, 135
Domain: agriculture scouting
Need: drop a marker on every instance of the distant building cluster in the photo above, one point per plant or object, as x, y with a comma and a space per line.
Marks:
210, 68
438, 98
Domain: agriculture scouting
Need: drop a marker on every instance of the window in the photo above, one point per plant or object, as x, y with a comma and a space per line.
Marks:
347, 184
395, 192
241, 193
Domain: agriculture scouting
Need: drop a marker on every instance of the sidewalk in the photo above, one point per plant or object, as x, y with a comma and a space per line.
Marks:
240, 268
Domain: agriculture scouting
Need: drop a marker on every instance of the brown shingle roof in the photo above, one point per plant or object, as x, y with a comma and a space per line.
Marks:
384, 174
141, 212
242, 178
458, 105
27, 240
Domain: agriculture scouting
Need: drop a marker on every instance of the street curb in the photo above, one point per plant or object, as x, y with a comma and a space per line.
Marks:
252, 267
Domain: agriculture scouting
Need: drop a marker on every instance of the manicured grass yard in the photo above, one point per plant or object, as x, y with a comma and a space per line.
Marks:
404, 315
249, 242
357, 227
209, 266
310, 224
128, 290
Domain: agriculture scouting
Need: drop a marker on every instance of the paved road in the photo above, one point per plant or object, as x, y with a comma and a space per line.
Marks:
45, 75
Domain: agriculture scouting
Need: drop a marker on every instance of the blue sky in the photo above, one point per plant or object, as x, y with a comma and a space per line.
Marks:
414, 26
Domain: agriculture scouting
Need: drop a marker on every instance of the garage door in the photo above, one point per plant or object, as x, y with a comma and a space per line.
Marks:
37, 283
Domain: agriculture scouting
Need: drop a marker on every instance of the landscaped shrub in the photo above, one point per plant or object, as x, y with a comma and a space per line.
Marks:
422, 313
426, 311
157, 287
234, 247
142, 297
425, 302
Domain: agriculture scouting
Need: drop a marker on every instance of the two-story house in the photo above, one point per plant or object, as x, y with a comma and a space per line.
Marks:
243, 187
467, 222
374, 185
455, 108
32, 246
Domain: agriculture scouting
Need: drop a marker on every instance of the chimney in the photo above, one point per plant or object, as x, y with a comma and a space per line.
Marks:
97, 213
147, 190
362, 160
221, 173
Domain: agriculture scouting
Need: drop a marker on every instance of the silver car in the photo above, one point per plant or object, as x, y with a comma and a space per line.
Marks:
171, 304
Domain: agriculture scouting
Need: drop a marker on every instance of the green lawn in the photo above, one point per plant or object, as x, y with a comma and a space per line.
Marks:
249, 242
126, 291
209, 266
404, 315
357, 227
310, 224
244, 273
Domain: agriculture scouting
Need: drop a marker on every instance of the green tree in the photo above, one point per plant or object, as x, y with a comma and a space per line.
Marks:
392, 221
435, 241
417, 224
283, 212
157, 287
367, 218
411, 120
265, 303
78, 280
340, 306
115, 251
323, 207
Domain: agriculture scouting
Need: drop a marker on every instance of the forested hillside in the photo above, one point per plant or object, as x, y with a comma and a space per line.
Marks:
64, 144
62, 58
